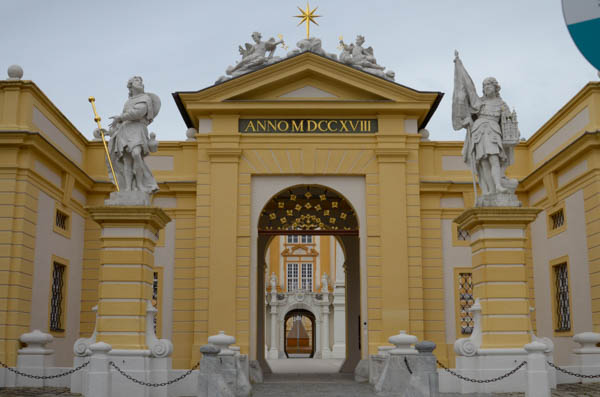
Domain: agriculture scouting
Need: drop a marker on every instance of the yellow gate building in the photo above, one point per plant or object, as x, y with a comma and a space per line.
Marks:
306, 124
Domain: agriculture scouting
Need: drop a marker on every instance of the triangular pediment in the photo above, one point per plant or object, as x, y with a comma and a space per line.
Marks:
296, 82
309, 92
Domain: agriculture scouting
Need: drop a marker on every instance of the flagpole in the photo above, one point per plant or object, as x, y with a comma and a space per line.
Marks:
472, 164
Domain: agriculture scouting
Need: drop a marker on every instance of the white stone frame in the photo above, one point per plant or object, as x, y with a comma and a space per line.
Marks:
263, 188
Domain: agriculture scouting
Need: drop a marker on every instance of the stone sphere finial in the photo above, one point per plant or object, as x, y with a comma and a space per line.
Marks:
191, 134
15, 72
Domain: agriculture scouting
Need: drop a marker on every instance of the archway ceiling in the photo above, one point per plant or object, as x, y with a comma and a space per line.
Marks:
308, 209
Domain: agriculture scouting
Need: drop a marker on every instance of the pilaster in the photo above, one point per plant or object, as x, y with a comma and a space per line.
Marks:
498, 244
128, 239
394, 248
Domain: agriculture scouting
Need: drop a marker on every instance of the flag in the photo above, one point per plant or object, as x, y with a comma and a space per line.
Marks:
464, 98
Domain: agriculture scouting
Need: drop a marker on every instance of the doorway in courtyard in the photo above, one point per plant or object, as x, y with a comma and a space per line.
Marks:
309, 275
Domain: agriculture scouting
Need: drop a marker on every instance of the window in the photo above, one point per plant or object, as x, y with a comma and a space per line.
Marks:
307, 239
561, 298
155, 296
465, 301
462, 235
62, 221
292, 276
292, 239
558, 219
307, 277
57, 299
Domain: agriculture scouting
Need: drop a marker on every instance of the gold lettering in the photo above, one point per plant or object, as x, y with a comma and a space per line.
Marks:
297, 125
369, 124
283, 126
329, 128
271, 125
250, 125
344, 127
261, 125
354, 125
322, 129
311, 126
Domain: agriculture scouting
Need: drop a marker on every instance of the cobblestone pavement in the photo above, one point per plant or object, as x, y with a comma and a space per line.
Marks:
316, 385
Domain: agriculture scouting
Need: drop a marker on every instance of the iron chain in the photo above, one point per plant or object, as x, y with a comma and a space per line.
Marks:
572, 373
148, 384
69, 372
506, 375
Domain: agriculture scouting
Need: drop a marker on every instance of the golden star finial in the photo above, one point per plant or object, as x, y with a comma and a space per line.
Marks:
307, 17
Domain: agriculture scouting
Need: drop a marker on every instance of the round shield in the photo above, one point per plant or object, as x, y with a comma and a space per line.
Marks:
583, 21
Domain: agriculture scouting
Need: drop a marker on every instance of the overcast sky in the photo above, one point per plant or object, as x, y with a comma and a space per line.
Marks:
76, 48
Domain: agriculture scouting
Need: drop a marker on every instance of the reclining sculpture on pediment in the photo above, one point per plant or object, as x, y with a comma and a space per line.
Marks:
313, 45
254, 56
355, 55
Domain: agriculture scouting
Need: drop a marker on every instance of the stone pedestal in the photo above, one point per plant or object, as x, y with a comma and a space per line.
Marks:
498, 242
498, 239
586, 358
34, 359
129, 236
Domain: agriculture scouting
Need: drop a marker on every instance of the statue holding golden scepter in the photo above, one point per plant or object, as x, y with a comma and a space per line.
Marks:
97, 119
129, 144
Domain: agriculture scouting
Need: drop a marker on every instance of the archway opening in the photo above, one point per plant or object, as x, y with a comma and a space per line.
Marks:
299, 334
308, 257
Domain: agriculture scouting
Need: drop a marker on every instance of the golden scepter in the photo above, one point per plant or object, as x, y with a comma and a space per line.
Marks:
97, 120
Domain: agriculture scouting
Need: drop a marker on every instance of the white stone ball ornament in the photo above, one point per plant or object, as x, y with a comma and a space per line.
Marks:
15, 72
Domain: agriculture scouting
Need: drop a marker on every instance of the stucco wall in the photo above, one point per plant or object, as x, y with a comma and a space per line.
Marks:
50, 243
571, 242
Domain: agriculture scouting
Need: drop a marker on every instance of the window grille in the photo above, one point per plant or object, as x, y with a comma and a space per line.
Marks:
292, 239
558, 219
61, 220
56, 302
307, 276
465, 301
462, 235
292, 276
563, 309
155, 297
307, 239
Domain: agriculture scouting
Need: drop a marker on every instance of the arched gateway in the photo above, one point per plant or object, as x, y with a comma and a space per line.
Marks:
307, 121
309, 210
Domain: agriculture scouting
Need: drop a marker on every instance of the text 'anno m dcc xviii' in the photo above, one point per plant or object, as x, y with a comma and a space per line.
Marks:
316, 126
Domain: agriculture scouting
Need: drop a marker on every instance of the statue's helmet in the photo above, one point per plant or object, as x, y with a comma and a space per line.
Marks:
256, 36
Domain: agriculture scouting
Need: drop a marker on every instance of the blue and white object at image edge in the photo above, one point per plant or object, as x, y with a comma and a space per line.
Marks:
583, 21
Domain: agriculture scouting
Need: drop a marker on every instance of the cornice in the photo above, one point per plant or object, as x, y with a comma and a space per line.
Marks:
497, 216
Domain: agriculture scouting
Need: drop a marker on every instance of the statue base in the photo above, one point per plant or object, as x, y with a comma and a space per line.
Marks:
134, 197
498, 200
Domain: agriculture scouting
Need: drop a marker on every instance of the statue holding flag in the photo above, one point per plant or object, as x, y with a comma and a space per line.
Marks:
492, 133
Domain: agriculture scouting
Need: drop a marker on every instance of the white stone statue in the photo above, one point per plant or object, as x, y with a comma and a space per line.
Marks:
355, 55
492, 133
313, 45
324, 283
129, 140
273, 281
254, 56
